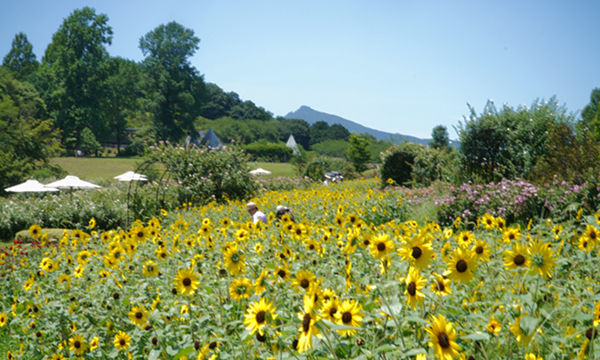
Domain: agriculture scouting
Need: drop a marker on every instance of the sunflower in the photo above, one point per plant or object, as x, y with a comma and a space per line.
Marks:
365, 241
339, 220
299, 231
56, 356
92, 223
48, 265
349, 314
241, 234
487, 221
328, 295
465, 238
516, 258
35, 231
122, 340
500, 223
511, 234
3, 319
234, 260
596, 314
414, 283
240, 289
418, 251
441, 286
522, 338
258, 315
443, 338
381, 246
83, 256
308, 329
313, 245
161, 253
461, 265
77, 344
304, 279
592, 235
260, 282
482, 251
283, 273
493, 326
138, 316
542, 258
186, 281
330, 309
150, 268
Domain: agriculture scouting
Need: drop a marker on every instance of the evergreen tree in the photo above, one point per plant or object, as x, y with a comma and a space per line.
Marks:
21, 59
359, 152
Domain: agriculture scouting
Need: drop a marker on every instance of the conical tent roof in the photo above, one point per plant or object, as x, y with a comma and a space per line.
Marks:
291, 143
211, 140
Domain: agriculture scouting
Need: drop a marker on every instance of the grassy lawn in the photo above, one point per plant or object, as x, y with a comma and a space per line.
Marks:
109, 167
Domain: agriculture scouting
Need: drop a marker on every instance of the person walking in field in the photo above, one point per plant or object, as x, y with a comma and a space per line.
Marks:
257, 215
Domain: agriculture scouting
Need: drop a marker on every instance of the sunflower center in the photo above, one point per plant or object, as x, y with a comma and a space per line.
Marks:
585, 244
306, 322
461, 266
122, 342
281, 273
187, 282
416, 252
479, 250
304, 283
381, 246
538, 260
412, 288
260, 317
139, 315
312, 247
511, 236
76, 344
140, 234
347, 317
332, 311
235, 257
240, 290
366, 242
443, 340
519, 260
440, 285
465, 238
593, 235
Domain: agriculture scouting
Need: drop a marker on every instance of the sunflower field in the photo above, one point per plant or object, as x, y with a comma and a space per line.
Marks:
352, 278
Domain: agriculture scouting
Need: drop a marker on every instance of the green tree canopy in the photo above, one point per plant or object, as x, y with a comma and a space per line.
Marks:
175, 90
297, 127
72, 74
338, 132
318, 132
21, 59
590, 115
359, 152
440, 138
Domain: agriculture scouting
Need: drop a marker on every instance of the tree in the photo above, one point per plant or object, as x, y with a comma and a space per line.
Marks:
297, 127
120, 95
359, 152
590, 117
440, 138
89, 144
318, 132
219, 103
21, 59
71, 77
174, 88
27, 137
338, 132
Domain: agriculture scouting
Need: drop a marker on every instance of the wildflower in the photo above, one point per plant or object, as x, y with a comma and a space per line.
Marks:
258, 315
186, 281
443, 338
349, 314
414, 283
122, 340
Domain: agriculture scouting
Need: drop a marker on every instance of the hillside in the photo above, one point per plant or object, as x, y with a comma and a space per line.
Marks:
312, 116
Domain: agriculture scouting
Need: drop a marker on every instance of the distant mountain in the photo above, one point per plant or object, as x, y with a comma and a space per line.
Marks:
312, 116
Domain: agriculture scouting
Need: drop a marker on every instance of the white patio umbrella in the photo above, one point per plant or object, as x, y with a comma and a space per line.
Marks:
73, 182
260, 171
131, 176
30, 186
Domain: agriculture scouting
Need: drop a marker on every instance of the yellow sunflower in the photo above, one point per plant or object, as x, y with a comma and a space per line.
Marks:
35, 231
260, 282
417, 251
461, 265
414, 284
592, 235
122, 340
330, 309
487, 221
240, 289
482, 251
493, 326
3, 319
150, 269
349, 314
186, 281
465, 238
542, 258
83, 256
511, 234
77, 344
56, 356
500, 223
516, 258
443, 338
137, 315
441, 286
258, 315
234, 260
283, 273
308, 329
304, 279
381, 246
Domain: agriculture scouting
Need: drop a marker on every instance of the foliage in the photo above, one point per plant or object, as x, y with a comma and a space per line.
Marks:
21, 60
297, 127
71, 77
27, 138
507, 143
440, 138
590, 116
89, 144
358, 152
139, 142
266, 151
175, 90
205, 175
331, 148
317, 168
397, 167
243, 131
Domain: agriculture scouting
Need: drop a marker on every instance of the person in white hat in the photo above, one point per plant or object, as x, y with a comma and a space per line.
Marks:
257, 215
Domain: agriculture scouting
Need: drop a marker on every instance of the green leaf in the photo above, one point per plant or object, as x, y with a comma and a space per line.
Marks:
415, 352
172, 350
384, 348
154, 354
529, 324
184, 352
477, 336
114, 353
416, 319
582, 317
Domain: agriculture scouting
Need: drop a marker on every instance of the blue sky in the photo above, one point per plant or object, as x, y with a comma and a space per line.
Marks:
396, 66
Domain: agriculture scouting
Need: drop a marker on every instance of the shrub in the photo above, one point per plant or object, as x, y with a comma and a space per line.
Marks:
320, 165
266, 151
398, 167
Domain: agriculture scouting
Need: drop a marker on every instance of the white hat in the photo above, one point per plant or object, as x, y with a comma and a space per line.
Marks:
281, 208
